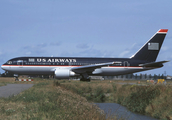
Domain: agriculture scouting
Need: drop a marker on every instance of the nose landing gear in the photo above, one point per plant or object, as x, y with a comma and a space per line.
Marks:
16, 77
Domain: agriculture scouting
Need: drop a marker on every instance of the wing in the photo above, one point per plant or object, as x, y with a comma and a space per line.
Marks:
90, 68
153, 64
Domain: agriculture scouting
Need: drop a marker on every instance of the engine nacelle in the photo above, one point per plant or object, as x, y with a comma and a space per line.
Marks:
63, 73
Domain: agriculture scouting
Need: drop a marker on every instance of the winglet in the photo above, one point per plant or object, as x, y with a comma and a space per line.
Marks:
163, 31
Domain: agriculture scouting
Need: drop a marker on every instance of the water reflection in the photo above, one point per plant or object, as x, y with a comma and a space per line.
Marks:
121, 112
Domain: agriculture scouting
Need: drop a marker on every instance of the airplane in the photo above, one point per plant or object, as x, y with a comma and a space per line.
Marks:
84, 67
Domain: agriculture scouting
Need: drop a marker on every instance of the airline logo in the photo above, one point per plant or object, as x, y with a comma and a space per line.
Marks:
51, 60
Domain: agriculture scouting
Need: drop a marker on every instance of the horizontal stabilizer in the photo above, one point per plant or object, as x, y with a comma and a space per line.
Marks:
153, 64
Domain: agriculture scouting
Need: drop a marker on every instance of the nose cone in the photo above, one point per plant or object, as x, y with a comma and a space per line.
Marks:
3, 67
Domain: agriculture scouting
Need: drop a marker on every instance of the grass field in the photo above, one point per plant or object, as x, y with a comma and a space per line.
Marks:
145, 98
49, 99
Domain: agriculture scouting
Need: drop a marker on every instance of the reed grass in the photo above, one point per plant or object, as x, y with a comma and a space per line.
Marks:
148, 99
68, 100
48, 101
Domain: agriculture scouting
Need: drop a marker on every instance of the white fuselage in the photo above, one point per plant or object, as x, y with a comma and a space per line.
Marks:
49, 70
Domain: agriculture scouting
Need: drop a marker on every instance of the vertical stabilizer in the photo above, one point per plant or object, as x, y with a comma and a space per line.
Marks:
149, 51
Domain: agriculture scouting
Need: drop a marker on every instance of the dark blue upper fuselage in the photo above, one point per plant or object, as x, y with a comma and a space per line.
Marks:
71, 61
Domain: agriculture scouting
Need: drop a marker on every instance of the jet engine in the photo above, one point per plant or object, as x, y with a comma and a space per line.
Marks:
64, 73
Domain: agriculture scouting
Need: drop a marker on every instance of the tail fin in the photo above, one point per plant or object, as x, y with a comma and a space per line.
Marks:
150, 50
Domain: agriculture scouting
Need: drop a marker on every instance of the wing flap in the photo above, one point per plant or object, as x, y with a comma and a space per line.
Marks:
153, 64
90, 68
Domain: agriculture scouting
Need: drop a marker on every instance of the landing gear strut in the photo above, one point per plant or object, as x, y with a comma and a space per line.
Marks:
16, 77
85, 77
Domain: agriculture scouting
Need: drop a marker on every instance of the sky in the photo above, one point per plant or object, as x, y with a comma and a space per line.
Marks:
75, 28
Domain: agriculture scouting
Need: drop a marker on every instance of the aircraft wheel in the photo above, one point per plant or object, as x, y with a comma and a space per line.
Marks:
85, 80
16, 79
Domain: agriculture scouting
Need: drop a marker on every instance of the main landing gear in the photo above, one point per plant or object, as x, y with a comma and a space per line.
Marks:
85, 78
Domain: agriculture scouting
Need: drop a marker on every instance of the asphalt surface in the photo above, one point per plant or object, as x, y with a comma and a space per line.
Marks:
13, 89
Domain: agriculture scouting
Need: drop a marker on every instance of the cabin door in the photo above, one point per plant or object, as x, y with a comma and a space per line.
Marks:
20, 63
126, 64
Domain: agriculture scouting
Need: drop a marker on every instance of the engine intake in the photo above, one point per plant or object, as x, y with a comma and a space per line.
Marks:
63, 73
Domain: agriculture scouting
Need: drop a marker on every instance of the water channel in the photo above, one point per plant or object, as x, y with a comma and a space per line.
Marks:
114, 109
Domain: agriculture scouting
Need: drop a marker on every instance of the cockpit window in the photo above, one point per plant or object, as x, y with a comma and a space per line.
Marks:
9, 62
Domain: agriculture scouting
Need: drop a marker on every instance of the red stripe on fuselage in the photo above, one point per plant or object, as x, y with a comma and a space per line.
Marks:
59, 66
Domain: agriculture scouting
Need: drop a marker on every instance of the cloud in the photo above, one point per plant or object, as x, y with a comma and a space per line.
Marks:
41, 45
129, 51
164, 48
39, 49
58, 43
34, 49
82, 46
28, 53
89, 52
168, 37
93, 52
124, 53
